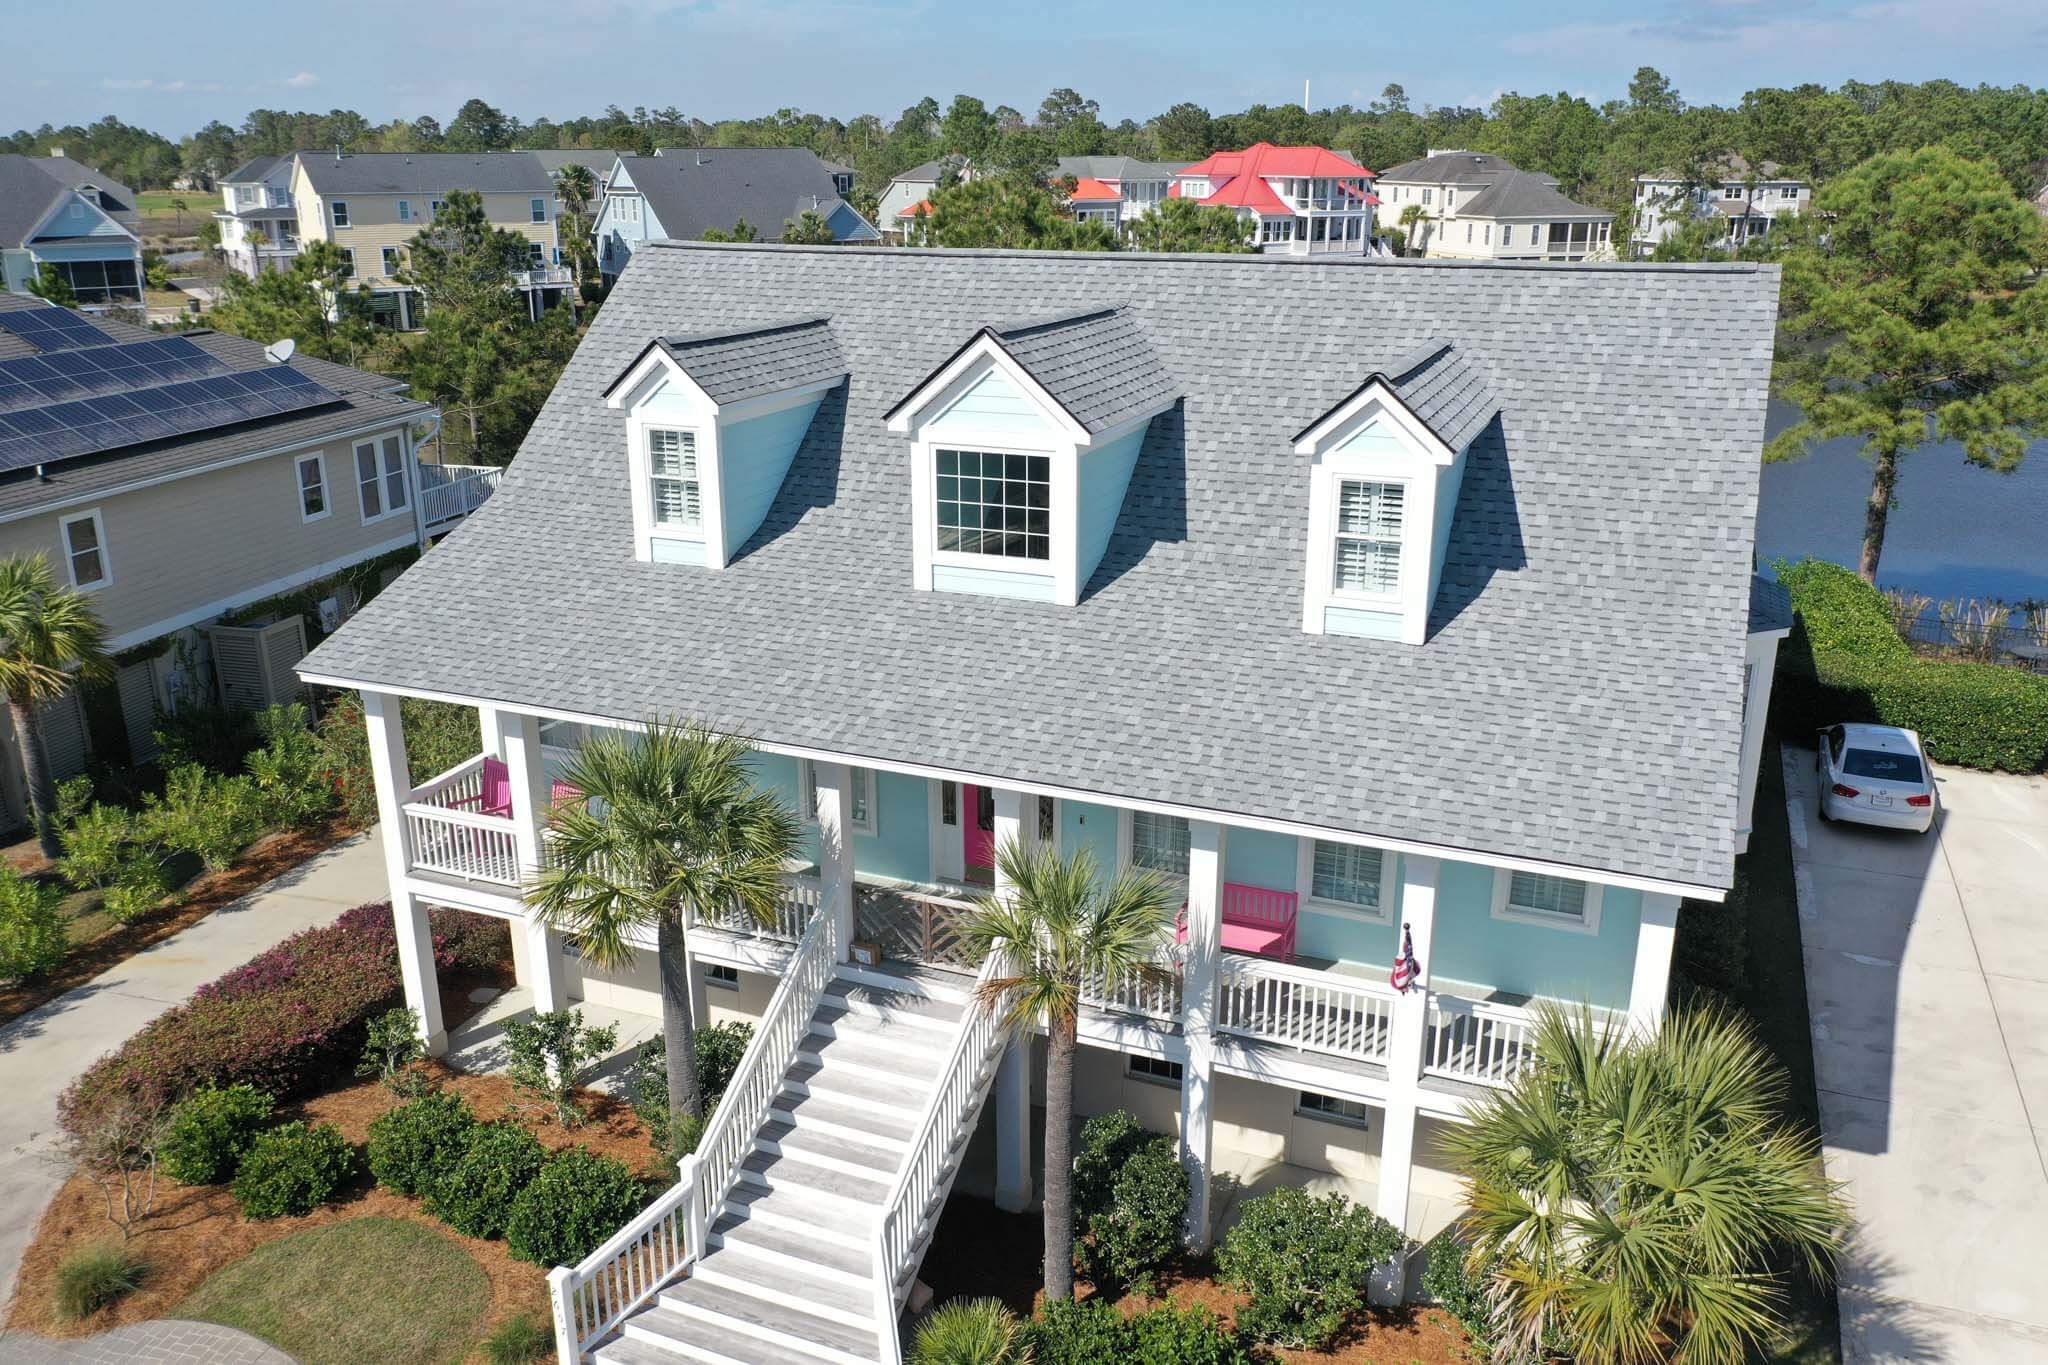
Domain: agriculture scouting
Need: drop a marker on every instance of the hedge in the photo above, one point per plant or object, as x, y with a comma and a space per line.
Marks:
1846, 662
289, 1021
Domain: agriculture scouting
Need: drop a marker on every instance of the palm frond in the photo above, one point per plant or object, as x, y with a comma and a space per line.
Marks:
50, 636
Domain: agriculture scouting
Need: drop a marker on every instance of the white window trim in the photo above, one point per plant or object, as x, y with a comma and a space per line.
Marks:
672, 530
1305, 883
350, 252
375, 444
405, 210
1131, 1072
537, 209
338, 214
1363, 1123
999, 563
318, 457
807, 781
1127, 840
99, 527
1588, 924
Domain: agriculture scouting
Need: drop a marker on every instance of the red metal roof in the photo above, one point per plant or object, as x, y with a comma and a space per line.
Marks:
1090, 189
1263, 158
923, 206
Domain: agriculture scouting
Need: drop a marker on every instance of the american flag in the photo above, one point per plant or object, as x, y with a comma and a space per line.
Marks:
1406, 968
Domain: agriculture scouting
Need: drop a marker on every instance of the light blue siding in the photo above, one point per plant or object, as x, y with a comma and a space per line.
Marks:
663, 550
1529, 959
1091, 827
1029, 587
754, 456
1375, 438
1104, 477
992, 404
1340, 938
1449, 480
849, 226
899, 848
619, 234
1373, 625
1257, 857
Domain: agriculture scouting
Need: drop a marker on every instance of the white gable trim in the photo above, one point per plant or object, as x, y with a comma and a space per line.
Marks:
1374, 398
945, 386
628, 390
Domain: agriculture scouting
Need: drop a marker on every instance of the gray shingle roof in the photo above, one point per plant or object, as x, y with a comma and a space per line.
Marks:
693, 189
1117, 168
1524, 194
255, 169
425, 172
1770, 606
732, 365
1452, 168
29, 185
1097, 364
1438, 385
369, 398
598, 163
1579, 698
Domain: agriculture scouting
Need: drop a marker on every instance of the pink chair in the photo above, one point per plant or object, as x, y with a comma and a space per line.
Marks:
495, 796
1255, 920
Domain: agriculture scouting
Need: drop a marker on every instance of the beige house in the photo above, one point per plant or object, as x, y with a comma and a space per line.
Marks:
250, 499
373, 204
1479, 207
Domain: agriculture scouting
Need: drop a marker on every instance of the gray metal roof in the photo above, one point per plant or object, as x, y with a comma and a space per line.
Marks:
693, 189
368, 398
426, 172
1770, 606
1579, 697
732, 364
1096, 364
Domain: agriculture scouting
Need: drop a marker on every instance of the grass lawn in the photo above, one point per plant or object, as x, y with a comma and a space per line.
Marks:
372, 1289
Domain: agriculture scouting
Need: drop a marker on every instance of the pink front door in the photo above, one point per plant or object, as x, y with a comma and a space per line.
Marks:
978, 834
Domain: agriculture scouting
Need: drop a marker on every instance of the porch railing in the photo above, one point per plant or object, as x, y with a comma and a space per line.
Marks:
445, 835
1480, 1041
1153, 996
914, 926
1295, 1006
449, 492
594, 1296
793, 913
934, 1155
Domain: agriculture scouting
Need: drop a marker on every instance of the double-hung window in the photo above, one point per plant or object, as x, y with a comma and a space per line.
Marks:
434, 207
860, 802
85, 550
990, 503
1160, 842
1348, 875
1367, 556
674, 492
539, 209
390, 262
339, 210
1538, 898
312, 486
349, 253
380, 478
405, 210
536, 255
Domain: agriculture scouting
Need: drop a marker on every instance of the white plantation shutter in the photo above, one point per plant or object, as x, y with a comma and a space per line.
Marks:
1547, 895
1368, 549
672, 464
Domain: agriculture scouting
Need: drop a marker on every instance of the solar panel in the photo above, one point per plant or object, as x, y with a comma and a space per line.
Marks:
52, 329
87, 426
35, 381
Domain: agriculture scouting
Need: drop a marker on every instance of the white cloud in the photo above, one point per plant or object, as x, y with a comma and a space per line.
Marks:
119, 83
305, 80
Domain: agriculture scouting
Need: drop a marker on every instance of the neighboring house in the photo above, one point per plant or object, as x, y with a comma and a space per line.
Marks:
1298, 200
256, 198
372, 204
1746, 200
598, 163
177, 477
56, 212
1359, 610
684, 192
909, 193
1115, 189
1478, 206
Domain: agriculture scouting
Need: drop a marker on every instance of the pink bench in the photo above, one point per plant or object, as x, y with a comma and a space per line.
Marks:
1255, 920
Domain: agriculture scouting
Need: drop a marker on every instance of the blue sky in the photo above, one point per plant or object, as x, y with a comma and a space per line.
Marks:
173, 70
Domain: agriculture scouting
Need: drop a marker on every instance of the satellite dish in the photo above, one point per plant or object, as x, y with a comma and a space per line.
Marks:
278, 352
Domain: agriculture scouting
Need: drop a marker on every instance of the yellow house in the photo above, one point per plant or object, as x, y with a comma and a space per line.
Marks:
372, 204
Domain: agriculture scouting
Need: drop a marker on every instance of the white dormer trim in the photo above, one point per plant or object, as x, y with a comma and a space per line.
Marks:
1413, 465
930, 400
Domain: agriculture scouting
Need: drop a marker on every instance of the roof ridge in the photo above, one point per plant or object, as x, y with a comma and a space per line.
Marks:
744, 330
1272, 260
1045, 322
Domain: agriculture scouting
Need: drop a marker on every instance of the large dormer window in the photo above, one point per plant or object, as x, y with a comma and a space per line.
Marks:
993, 503
675, 495
1367, 555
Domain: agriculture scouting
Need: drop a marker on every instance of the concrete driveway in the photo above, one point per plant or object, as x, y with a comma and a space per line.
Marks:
43, 1050
1927, 978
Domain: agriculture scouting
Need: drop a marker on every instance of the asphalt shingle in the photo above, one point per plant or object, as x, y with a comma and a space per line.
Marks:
735, 364
1097, 365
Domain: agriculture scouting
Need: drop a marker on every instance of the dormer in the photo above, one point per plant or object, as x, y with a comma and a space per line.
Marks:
713, 421
1385, 466
1022, 444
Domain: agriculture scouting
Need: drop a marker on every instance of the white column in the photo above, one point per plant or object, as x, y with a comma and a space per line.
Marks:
1652, 981
515, 738
1408, 1039
393, 777
487, 728
1010, 826
1013, 1127
835, 853
1198, 1000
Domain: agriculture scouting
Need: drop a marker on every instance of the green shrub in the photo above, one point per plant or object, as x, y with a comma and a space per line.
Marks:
523, 1340
438, 735
1305, 1262
216, 738
719, 1049
95, 846
390, 1047
211, 817
32, 935
1447, 1279
569, 1209
1130, 1201
476, 1195
1183, 1336
293, 1169
552, 1054
292, 784
416, 1145
211, 1130
969, 1332
1078, 1332
93, 1277
1846, 662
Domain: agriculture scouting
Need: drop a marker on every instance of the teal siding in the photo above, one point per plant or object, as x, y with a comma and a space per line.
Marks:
992, 404
1527, 959
1257, 857
662, 550
1448, 481
1375, 438
1105, 475
900, 847
1091, 827
1373, 625
1341, 938
754, 456
1028, 587
849, 226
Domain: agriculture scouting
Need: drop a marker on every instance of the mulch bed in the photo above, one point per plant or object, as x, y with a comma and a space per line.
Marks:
197, 1230
979, 1251
268, 858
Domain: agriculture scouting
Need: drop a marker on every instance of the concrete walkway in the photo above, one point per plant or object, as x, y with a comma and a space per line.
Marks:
1927, 976
166, 1341
41, 1052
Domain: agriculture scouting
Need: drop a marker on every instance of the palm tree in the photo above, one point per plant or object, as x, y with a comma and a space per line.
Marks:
575, 186
1411, 218
50, 638
971, 1332
1057, 926
668, 822
1633, 1197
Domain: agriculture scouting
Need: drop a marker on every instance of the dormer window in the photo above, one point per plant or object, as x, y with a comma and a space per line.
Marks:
1367, 554
676, 497
993, 503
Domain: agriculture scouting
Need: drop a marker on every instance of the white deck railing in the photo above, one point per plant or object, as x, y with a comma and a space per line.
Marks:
594, 1296
449, 492
934, 1155
793, 914
1152, 997
446, 834
1299, 1007
1477, 1040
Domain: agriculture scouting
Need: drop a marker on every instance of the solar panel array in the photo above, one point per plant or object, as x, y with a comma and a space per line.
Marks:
34, 381
62, 431
52, 329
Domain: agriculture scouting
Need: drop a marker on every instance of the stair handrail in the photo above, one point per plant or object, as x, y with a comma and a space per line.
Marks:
592, 1297
947, 1116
